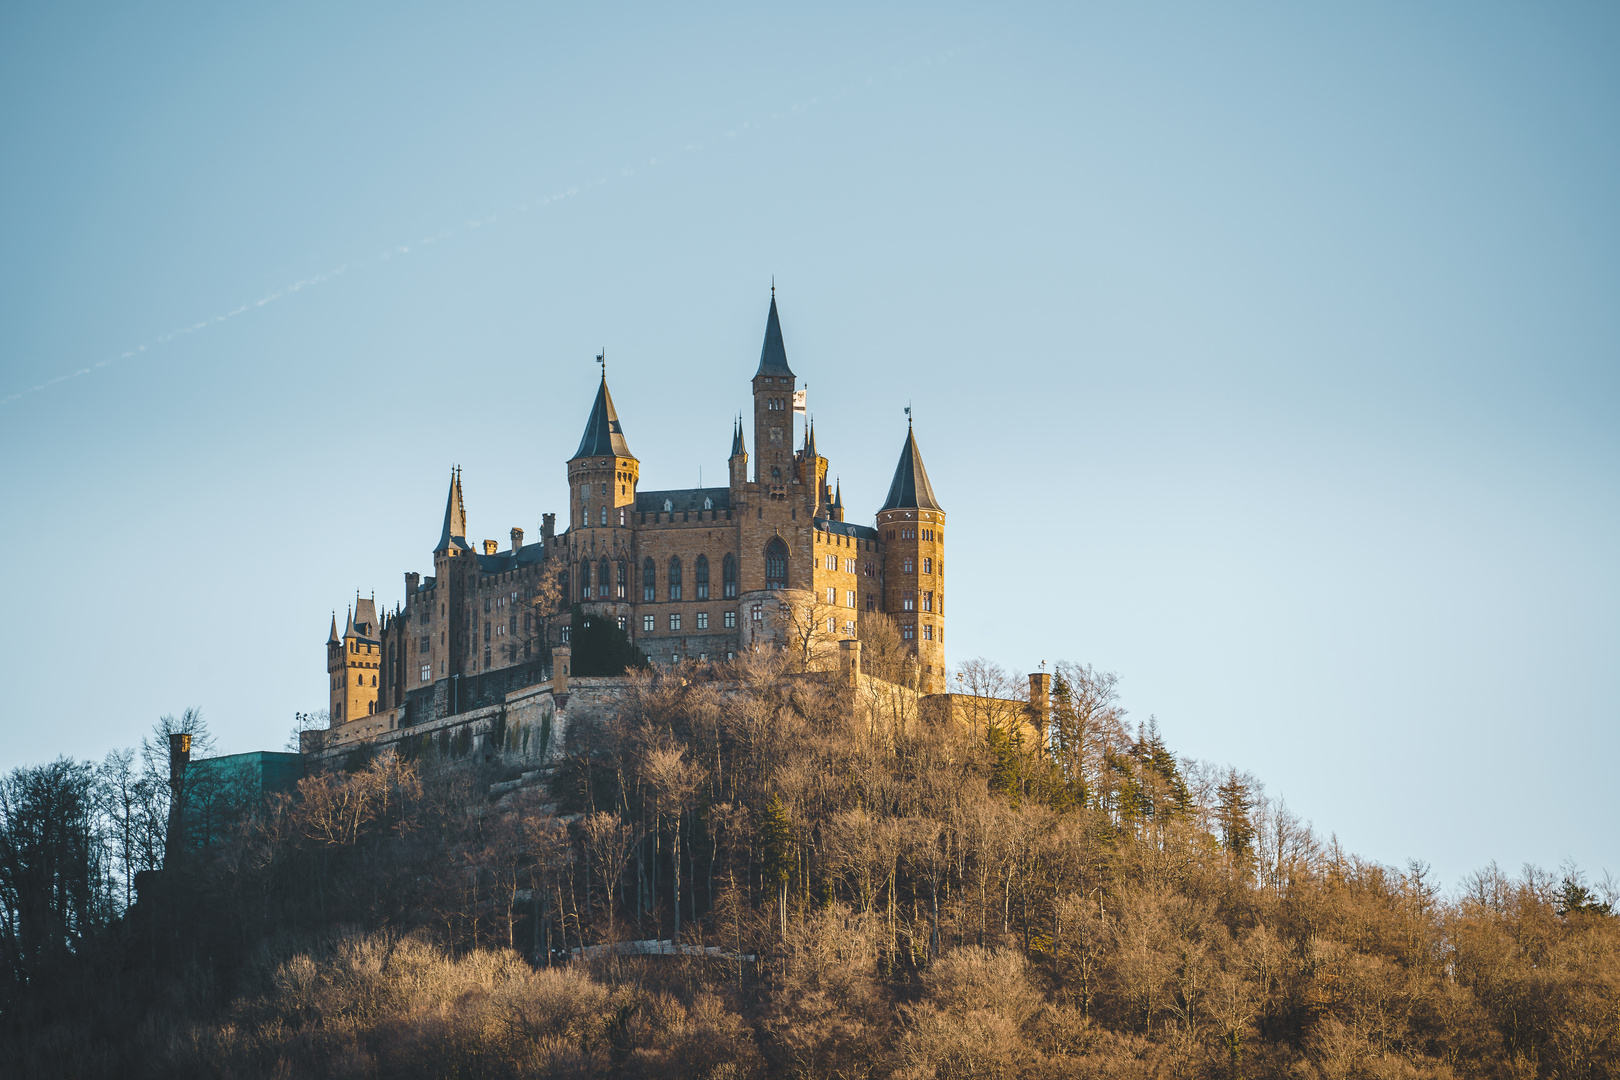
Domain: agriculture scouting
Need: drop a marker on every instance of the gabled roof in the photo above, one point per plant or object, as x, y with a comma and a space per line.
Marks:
910, 488
773, 357
454, 534
604, 435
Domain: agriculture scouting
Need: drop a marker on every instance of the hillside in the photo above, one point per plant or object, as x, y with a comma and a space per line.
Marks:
847, 889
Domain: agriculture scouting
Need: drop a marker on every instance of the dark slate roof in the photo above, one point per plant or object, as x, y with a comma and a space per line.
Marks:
910, 489
502, 561
604, 435
454, 534
737, 446
846, 528
649, 502
773, 357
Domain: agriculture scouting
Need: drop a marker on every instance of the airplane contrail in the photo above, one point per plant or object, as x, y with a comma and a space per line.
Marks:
731, 131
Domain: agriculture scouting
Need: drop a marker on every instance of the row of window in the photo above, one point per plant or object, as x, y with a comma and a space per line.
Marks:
649, 623
929, 633
911, 534
909, 603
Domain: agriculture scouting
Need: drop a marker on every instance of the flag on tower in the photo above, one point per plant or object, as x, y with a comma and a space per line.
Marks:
798, 401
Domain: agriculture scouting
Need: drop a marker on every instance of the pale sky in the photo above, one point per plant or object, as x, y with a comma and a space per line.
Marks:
1265, 355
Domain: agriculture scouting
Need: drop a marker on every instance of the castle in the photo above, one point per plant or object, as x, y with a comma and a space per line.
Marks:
689, 574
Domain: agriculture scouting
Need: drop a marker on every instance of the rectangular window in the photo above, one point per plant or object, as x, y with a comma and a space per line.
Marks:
427, 672
567, 632
675, 591
703, 590
730, 620
604, 515
868, 569
426, 644
647, 623
871, 602
755, 614
908, 632
832, 626
909, 603
928, 566
849, 629
849, 598
647, 593
487, 625
832, 596
624, 623
486, 657
511, 625
675, 620
486, 605
928, 633
703, 620
907, 566
928, 601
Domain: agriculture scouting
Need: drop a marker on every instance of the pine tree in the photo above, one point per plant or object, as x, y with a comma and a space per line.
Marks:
776, 836
1236, 803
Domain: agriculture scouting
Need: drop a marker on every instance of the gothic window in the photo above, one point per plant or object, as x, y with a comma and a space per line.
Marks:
700, 574
604, 515
562, 582
908, 566
674, 579
649, 580
728, 574
602, 577
708, 504
776, 560
623, 580
621, 515
584, 581
668, 506
909, 603
908, 632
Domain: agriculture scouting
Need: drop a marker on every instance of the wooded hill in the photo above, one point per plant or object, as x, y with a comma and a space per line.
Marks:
866, 894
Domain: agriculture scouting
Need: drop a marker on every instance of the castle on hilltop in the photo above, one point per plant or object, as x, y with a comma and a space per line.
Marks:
689, 574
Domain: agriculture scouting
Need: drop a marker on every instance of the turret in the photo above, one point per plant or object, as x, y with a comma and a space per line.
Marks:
773, 411
738, 462
602, 474
911, 525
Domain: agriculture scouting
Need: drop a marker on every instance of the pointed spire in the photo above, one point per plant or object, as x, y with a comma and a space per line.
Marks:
604, 435
348, 631
332, 638
773, 357
737, 438
810, 437
838, 495
454, 532
910, 489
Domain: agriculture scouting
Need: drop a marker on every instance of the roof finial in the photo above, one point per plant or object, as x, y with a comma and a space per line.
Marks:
908, 416
773, 286
601, 358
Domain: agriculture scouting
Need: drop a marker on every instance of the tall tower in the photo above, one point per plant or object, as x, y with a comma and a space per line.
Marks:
773, 412
445, 620
911, 524
602, 478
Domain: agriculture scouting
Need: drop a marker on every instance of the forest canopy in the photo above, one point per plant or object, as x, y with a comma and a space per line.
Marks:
751, 872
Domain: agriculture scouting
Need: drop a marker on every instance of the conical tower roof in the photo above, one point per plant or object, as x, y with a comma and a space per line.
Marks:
332, 638
454, 533
773, 357
737, 446
604, 435
910, 488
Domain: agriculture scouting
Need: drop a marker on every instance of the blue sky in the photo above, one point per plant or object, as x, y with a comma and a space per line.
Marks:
1263, 354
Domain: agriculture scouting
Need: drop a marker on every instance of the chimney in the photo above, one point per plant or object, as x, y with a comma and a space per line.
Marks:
548, 527
1040, 703
517, 538
412, 583
491, 546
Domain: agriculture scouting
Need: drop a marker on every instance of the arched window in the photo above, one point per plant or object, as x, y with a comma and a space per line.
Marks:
602, 577
622, 580
649, 580
776, 560
675, 578
728, 571
562, 590
585, 580
700, 574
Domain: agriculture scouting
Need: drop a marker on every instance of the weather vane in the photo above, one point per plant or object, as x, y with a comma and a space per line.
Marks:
601, 358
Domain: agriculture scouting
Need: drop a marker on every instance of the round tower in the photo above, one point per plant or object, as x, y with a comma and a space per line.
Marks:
602, 479
911, 532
